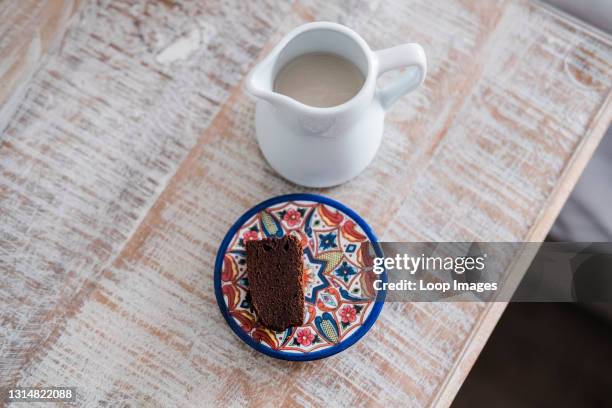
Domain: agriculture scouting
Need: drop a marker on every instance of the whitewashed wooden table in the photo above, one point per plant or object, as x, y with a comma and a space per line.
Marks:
127, 150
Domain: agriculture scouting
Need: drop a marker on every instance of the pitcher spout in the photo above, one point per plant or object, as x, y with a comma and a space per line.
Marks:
260, 82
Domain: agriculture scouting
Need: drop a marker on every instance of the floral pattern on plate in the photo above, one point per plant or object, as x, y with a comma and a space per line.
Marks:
338, 277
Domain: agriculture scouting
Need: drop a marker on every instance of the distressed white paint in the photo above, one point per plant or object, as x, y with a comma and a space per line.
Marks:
30, 30
119, 177
180, 49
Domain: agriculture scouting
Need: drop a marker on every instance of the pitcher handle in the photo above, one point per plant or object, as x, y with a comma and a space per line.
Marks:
405, 55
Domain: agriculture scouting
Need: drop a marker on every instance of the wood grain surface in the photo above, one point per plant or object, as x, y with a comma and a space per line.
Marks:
133, 151
29, 30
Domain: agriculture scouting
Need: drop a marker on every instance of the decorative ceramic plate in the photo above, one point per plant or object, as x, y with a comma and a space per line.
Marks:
340, 302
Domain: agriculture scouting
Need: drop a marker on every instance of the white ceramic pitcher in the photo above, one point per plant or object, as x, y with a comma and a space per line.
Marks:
322, 147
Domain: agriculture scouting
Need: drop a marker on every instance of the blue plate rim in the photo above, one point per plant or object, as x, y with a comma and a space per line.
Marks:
361, 331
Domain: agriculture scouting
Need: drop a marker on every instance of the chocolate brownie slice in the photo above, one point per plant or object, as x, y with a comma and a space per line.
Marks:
274, 268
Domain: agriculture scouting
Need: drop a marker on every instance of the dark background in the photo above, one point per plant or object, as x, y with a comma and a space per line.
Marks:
544, 355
